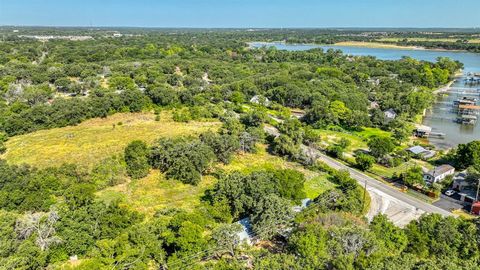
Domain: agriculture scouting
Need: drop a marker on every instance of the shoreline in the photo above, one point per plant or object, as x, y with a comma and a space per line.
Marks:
358, 44
378, 45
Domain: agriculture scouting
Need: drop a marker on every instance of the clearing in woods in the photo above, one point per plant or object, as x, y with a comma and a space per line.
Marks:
93, 140
155, 192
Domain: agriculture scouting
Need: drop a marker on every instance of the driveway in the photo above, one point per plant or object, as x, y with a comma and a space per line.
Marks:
449, 203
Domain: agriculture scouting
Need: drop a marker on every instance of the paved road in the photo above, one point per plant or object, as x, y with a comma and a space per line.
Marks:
385, 188
398, 206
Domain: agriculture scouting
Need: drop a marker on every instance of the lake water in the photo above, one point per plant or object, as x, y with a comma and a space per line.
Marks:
440, 117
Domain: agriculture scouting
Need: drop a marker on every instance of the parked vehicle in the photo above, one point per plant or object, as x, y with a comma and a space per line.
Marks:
449, 192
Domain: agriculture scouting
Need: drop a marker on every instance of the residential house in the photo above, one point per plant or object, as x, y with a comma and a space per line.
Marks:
374, 81
421, 152
258, 99
390, 114
467, 189
438, 174
374, 105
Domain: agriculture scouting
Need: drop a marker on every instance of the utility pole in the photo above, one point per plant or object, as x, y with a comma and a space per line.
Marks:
364, 195
478, 186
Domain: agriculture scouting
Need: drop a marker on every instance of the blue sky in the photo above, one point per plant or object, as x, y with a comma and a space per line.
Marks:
242, 13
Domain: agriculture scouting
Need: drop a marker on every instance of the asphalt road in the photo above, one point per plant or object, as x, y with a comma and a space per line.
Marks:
372, 184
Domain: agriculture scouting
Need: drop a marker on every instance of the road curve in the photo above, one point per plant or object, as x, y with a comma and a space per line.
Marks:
387, 189
372, 184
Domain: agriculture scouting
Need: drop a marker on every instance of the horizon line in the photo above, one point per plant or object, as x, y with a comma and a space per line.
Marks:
237, 27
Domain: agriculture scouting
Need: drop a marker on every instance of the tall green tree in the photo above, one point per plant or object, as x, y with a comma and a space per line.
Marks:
136, 157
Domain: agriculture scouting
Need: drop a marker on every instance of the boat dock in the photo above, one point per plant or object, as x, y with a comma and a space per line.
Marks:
467, 110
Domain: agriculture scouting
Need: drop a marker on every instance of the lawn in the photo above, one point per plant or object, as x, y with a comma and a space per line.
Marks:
368, 132
389, 172
316, 185
331, 137
95, 139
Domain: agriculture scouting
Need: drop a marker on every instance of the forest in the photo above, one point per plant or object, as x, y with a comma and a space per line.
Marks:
58, 217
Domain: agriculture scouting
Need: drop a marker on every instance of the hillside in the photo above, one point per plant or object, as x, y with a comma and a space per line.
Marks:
96, 139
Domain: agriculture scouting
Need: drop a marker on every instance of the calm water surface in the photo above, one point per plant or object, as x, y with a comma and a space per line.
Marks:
440, 117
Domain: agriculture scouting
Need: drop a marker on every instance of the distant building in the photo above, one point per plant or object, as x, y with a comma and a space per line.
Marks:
374, 105
390, 114
422, 131
421, 152
374, 81
258, 99
438, 174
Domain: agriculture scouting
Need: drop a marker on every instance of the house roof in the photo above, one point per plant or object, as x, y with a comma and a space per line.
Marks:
423, 128
390, 113
417, 149
442, 169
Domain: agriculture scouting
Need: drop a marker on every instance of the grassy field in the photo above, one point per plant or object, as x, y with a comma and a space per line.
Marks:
315, 184
95, 139
329, 137
154, 192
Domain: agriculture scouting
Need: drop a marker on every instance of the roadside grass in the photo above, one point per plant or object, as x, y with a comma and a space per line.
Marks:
464, 214
388, 172
96, 139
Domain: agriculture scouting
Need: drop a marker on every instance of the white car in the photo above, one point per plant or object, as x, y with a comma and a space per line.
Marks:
449, 192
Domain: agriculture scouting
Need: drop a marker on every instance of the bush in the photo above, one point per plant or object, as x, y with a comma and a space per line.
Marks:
182, 115
335, 151
364, 161
285, 146
109, 172
136, 158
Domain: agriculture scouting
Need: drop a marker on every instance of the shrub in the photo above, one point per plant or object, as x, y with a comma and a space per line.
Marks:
136, 158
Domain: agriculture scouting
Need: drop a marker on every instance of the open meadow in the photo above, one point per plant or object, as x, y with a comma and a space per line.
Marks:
155, 192
96, 139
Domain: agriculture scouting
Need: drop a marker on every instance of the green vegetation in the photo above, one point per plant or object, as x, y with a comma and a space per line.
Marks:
95, 139
144, 151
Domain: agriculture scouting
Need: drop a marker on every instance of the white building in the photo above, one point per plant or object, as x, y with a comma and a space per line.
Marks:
258, 99
438, 174
390, 114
